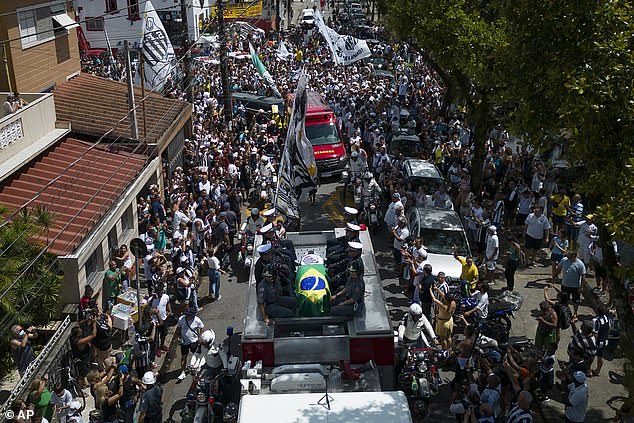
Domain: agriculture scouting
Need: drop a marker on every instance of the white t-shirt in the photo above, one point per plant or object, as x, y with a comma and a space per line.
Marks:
189, 330
536, 225
161, 305
401, 233
213, 262
493, 243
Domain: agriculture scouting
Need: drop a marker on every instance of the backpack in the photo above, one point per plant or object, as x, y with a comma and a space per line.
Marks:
564, 317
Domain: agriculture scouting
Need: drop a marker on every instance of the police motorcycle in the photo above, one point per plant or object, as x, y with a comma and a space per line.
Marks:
371, 210
354, 169
419, 379
246, 237
212, 370
265, 183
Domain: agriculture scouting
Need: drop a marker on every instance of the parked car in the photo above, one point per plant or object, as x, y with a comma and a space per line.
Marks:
409, 146
441, 230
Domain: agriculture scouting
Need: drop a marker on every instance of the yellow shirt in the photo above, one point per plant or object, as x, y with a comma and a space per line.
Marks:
469, 273
562, 204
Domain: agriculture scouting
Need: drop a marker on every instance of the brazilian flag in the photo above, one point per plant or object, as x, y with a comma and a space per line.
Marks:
313, 292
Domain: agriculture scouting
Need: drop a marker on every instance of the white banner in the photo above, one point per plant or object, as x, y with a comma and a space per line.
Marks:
282, 51
158, 53
345, 49
298, 169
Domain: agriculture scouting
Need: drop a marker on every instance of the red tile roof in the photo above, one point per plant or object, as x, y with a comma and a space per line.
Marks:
66, 196
93, 105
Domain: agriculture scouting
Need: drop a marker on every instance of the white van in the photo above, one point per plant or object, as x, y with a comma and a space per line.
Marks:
341, 407
308, 18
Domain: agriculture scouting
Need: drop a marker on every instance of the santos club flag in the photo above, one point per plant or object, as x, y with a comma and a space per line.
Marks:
345, 49
313, 292
158, 52
298, 169
263, 72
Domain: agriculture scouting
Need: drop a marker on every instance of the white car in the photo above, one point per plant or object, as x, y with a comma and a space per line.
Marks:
440, 229
308, 18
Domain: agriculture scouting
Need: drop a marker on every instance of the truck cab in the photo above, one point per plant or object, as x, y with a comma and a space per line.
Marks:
324, 135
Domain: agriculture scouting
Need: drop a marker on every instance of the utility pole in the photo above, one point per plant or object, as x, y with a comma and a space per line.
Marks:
131, 104
224, 65
188, 57
278, 20
6, 66
141, 61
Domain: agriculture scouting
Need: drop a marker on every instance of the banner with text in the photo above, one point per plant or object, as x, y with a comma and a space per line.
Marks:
345, 49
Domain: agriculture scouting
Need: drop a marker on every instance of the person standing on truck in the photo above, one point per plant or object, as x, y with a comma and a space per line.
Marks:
271, 302
349, 300
338, 245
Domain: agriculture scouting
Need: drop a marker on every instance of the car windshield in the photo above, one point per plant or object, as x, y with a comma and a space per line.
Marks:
322, 134
430, 185
408, 148
440, 241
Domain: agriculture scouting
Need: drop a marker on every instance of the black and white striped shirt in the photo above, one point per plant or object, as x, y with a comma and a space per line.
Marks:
602, 329
519, 415
498, 212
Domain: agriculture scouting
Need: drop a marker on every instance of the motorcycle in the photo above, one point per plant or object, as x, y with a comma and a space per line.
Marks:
371, 212
419, 379
246, 239
202, 404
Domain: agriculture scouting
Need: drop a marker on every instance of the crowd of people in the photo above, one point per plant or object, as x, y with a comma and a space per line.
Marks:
190, 230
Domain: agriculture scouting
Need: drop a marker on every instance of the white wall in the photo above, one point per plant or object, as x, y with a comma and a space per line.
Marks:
119, 28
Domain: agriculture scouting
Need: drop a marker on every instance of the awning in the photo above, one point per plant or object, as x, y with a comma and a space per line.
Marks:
66, 21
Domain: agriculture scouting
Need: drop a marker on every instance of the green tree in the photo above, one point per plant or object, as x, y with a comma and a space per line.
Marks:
34, 297
461, 40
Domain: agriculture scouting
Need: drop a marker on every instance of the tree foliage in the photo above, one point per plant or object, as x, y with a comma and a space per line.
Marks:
32, 299
558, 67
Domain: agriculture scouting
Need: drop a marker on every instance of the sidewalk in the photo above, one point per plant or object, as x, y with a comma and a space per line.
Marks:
603, 389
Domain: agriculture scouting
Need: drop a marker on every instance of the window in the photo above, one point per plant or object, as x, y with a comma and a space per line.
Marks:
94, 24
94, 263
111, 6
133, 10
112, 239
36, 26
127, 219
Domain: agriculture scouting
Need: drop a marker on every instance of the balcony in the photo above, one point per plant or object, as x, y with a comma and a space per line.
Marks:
28, 132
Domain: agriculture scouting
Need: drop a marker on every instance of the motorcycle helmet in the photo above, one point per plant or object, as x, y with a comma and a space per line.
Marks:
208, 337
255, 212
264, 159
415, 311
368, 176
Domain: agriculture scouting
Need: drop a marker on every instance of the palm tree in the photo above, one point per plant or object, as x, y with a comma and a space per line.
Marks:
45, 219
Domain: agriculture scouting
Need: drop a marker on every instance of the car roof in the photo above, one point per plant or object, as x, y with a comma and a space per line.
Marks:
310, 12
438, 218
422, 169
406, 138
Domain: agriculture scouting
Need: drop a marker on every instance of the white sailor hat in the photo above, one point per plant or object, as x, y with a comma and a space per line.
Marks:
351, 210
355, 245
266, 228
264, 248
269, 212
353, 227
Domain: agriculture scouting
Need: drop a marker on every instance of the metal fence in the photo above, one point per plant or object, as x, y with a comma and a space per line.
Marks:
54, 356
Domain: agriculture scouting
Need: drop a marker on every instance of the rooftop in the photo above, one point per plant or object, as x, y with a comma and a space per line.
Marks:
95, 181
94, 105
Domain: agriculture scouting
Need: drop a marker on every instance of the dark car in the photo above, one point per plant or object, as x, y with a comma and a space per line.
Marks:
410, 146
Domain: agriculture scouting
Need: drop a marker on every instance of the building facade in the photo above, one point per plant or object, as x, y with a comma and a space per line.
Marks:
122, 20
41, 50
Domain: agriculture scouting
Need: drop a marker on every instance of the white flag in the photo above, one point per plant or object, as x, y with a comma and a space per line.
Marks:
158, 53
282, 51
298, 169
345, 49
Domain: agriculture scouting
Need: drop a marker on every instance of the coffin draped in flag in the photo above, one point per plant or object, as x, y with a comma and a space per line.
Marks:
263, 72
298, 169
158, 53
345, 49
313, 292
